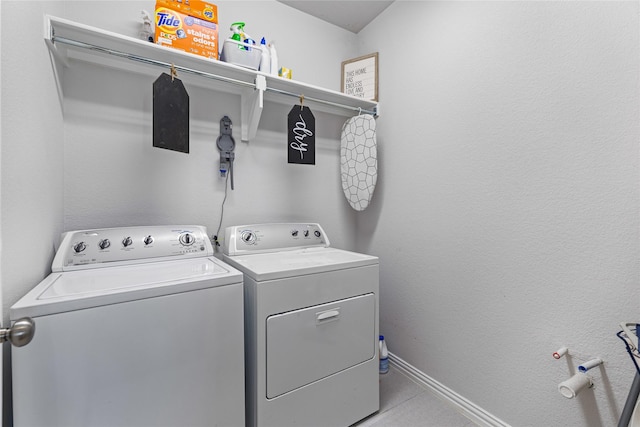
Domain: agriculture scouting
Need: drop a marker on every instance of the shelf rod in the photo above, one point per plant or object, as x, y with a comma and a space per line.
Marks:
141, 59
322, 101
137, 58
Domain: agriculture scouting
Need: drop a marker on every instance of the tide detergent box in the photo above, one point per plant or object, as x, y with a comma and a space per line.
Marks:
188, 25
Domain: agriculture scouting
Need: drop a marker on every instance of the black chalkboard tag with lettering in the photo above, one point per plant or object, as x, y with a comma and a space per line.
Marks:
170, 114
302, 136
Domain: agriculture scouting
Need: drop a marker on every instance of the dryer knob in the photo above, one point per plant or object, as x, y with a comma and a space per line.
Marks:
104, 243
127, 242
187, 239
317, 233
79, 247
248, 237
148, 240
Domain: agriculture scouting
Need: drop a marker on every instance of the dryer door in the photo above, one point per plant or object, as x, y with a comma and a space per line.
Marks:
309, 344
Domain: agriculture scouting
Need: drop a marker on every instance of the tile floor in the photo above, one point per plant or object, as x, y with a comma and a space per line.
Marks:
403, 403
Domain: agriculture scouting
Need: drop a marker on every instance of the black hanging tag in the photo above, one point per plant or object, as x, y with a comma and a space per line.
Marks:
170, 114
302, 136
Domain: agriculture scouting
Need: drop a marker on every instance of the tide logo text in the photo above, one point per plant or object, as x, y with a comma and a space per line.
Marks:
167, 20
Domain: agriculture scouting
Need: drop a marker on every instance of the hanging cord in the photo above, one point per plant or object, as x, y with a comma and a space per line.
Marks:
216, 240
630, 349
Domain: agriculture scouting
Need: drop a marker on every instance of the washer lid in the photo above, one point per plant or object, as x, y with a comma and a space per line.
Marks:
75, 290
279, 265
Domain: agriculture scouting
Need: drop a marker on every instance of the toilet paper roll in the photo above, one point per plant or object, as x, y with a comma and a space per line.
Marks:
574, 385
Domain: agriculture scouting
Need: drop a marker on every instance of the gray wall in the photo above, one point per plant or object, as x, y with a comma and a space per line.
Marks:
506, 217
506, 213
32, 150
31, 153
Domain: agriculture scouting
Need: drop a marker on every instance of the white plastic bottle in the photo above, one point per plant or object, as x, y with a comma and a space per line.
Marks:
384, 356
273, 56
265, 59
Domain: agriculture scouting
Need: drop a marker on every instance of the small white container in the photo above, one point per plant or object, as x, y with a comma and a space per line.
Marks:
383, 355
273, 54
265, 61
233, 54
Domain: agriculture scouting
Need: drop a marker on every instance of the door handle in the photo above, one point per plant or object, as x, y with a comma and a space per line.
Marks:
20, 334
326, 315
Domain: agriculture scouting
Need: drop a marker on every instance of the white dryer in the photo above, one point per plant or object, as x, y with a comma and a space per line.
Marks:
136, 326
311, 326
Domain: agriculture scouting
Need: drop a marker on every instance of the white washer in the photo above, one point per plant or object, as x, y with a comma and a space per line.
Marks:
311, 326
136, 326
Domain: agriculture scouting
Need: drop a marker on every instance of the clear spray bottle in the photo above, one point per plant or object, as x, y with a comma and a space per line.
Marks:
238, 33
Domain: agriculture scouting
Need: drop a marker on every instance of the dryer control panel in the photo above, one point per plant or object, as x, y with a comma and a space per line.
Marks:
130, 245
261, 238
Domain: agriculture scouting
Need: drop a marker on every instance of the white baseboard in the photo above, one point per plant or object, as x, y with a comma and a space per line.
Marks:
469, 409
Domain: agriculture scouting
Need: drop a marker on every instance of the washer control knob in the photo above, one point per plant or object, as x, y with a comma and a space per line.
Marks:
148, 240
127, 241
306, 233
317, 233
104, 243
249, 237
187, 239
79, 247
294, 233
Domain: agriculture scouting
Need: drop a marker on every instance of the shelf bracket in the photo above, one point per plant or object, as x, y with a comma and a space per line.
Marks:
49, 39
252, 104
58, 57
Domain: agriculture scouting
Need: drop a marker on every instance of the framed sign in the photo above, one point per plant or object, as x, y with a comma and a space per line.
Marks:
360, 77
